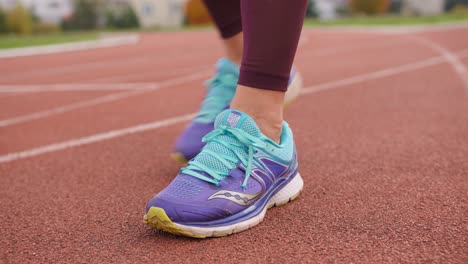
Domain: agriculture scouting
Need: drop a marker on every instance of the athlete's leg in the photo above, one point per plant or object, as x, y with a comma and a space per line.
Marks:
271, 34
241, 172
227, 17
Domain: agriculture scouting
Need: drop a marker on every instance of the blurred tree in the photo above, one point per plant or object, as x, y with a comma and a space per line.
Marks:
124, 19
311, 9
19, 20
451, 4
395, 6
369, 7
196, 13
45, 28
85, 16
111, 19
3, 23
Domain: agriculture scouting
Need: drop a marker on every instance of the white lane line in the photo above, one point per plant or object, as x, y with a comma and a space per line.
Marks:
75, 68
148, 60
122, 78
13, 88
458, 66
95, 138
104, 99
73, 87
373, 75
101, 99
129, 62
368, 46
99, 85
392, 71
70, 107
68, 47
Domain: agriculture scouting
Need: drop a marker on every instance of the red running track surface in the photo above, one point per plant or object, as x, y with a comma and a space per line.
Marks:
381, 129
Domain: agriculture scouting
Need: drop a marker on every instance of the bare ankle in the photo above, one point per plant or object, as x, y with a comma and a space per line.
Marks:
270, 128
264, 106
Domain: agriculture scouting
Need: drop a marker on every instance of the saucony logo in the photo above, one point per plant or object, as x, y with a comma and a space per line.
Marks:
239, 198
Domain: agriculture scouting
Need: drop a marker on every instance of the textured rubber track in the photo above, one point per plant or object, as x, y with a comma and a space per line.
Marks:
384, 160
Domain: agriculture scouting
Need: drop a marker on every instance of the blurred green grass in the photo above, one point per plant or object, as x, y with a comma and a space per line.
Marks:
390, 20
16, 41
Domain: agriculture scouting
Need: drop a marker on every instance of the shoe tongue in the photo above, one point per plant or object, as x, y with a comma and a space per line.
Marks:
226, 66
237, 119
234, 119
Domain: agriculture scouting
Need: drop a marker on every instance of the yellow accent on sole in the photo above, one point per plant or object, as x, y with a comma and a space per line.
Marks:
157, 218
177, 156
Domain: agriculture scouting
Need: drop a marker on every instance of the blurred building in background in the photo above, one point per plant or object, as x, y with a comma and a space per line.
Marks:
49, 11
329, 9
150, 13
125, 14
333, 9
426, 7
166, 13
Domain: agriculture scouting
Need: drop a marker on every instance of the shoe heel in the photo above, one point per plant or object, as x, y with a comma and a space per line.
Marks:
288, 193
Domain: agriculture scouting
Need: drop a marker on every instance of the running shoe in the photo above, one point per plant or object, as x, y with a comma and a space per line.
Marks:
221, 90
228, 187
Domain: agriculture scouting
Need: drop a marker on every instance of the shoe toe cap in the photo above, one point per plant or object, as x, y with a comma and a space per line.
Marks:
184, 212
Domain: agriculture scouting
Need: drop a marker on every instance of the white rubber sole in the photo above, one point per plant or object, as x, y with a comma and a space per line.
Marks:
156, 217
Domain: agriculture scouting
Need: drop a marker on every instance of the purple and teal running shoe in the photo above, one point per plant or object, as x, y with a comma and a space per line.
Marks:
228, 187
221, 90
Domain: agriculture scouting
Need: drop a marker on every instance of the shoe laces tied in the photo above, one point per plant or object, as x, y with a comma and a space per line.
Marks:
244, 144
214, 102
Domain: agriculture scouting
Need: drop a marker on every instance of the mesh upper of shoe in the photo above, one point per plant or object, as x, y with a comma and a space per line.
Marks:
248, 126
187, 198
183, 188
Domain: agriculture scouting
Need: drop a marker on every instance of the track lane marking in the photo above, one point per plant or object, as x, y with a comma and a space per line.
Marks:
449, 56
335, 30
374, 75
125, 62
85, 45
65, 87
100, 84
75, 87
393, 71
102, 99
111, 98
95, 138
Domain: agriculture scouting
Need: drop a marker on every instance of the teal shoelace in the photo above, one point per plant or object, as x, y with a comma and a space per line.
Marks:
242, 149
221, 89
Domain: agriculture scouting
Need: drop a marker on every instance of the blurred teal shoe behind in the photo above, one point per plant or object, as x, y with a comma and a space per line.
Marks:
221, 90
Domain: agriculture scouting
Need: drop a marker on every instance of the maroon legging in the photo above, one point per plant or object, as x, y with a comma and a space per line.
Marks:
271, 33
